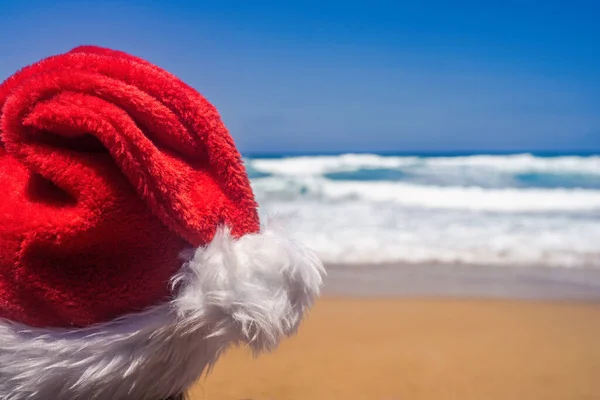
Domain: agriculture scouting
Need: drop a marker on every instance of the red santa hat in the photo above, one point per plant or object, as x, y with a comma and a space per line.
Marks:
131, 254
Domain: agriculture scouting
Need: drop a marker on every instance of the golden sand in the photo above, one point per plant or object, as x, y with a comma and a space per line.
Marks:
423, 349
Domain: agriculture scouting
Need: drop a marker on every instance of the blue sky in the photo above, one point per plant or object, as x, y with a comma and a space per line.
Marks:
353, 76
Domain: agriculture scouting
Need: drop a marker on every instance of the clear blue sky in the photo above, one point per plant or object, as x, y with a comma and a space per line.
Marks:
353, 76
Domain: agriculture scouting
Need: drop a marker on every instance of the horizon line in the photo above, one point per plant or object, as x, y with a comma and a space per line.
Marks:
272, 153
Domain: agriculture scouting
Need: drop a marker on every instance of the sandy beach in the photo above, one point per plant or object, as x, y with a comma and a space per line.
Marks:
535, 336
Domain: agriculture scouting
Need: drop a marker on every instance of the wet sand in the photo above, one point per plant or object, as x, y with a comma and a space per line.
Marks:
430, 334
464, 281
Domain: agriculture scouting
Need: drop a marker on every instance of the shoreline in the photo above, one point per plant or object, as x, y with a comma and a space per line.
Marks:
401, 280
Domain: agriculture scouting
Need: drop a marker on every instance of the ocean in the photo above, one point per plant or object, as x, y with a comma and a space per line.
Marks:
505, 209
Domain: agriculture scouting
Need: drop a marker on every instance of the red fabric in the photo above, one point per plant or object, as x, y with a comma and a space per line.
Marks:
109, 167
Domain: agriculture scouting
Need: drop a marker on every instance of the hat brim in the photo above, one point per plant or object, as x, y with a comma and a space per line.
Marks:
253, 290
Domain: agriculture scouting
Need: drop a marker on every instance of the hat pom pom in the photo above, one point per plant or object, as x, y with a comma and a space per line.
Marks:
253, 290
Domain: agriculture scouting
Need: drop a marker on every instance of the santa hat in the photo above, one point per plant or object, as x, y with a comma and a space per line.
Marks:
131, 254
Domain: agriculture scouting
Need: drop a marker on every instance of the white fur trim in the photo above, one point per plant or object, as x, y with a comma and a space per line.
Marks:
254, 290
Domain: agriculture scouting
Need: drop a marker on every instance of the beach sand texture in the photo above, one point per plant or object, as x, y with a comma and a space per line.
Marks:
424, 348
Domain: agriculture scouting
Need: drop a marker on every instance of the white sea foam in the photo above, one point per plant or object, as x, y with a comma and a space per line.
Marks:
360, 232
315, 165
410, 195
440, 209
523, 163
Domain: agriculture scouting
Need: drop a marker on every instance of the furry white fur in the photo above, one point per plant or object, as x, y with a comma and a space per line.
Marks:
253, 290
